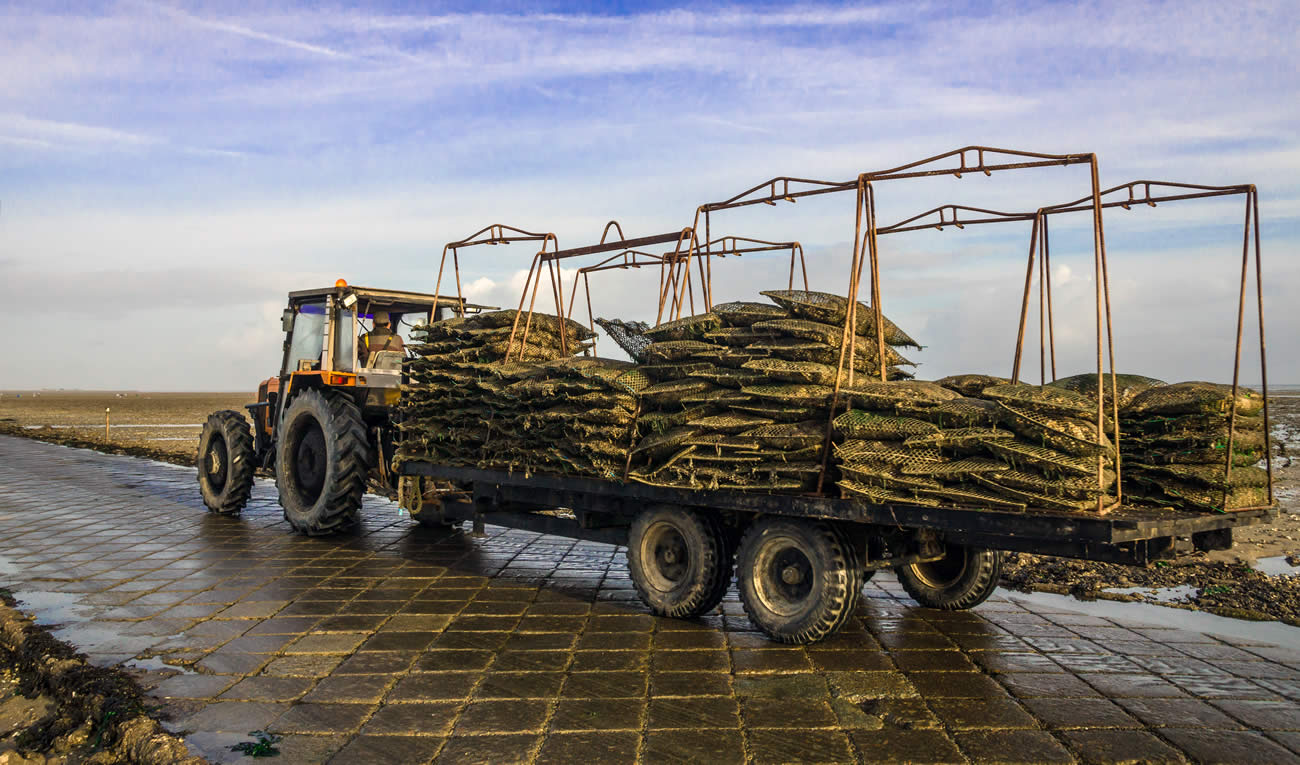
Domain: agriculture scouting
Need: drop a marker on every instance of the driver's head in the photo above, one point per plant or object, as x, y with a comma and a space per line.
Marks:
381, 318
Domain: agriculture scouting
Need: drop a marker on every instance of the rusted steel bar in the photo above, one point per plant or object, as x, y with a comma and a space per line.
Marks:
708, 248
1024, 300
1195, 191
557, 291
605, 233
1033, 159
1101, 387
1236, 359
1037, 159
1263, 356
1042, 330
1047, 268
626, 244
1110, 353
671, 283
855, 268
819, 187
514, 327
997, 216
497, 234
874, 252
591, 317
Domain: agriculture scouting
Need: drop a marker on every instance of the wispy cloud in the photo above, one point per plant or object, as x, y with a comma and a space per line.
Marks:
242, 31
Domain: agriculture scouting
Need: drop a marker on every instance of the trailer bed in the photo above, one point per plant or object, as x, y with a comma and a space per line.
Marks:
1126, 534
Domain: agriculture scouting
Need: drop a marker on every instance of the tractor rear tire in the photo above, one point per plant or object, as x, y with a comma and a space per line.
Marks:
226, 462
321, 463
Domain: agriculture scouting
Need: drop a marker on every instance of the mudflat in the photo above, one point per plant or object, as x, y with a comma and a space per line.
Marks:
162, 423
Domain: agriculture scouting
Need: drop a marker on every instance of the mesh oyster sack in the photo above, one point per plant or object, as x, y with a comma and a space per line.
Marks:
970, 385
1179, 440
1196, 398
833, 309
1129, 386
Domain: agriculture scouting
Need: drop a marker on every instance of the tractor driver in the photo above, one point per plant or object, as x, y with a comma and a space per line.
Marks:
381, 338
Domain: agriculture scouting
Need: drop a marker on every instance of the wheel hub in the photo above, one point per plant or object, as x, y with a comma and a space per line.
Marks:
784, 576
216, 468
667, 559
309, 462
943, 572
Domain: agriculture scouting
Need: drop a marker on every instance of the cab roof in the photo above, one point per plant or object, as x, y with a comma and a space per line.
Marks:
393, 298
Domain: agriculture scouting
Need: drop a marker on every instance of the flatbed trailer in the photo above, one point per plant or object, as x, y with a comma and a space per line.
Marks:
799, 561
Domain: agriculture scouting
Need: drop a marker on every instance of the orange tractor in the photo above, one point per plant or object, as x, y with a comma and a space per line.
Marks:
325, 424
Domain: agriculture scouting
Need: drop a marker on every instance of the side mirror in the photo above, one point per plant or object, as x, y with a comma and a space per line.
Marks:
286, 320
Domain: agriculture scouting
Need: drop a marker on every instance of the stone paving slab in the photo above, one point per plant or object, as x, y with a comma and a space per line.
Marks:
403, 644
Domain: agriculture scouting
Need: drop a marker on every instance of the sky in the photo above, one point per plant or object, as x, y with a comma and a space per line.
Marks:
169, 171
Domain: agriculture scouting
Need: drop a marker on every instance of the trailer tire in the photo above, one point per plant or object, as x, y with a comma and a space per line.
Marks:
679, 561
964, 578
322, 462
226, 462
799, 581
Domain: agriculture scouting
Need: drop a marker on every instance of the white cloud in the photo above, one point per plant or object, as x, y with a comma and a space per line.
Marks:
202, 159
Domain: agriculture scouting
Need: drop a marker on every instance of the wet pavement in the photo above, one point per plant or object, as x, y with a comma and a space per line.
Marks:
404, 644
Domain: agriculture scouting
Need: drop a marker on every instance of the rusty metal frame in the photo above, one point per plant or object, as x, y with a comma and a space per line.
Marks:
635, 259
721, 247
1143, 192
968, 159
498, 233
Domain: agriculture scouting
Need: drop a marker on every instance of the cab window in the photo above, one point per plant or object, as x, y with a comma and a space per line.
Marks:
308, 338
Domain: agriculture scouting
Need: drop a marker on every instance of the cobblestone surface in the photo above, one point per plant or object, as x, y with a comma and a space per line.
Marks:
404, 644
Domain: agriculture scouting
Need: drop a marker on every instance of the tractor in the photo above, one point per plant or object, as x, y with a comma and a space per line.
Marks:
325, 426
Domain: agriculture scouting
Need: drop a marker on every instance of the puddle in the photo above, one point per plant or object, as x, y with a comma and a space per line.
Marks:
1276, 566
93, 639
49, 608
1180, 594
1160, 616
156, 663
8, 569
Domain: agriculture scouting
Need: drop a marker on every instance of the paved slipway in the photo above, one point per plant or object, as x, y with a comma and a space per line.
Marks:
403, 644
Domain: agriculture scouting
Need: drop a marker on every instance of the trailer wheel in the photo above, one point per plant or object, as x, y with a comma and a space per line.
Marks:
963, 578
321, 463
679, 561
428, 516
799, 580
225, 462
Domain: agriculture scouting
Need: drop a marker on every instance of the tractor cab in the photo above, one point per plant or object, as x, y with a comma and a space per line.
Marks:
324, 338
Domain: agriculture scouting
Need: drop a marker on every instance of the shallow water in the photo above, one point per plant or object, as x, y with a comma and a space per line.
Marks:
1162, 616
1180, 594
1276, 566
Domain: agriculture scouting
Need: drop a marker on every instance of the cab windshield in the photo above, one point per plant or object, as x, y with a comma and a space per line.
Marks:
308, 338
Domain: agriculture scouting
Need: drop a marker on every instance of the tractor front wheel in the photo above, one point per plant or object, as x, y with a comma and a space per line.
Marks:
321, 463
226, 462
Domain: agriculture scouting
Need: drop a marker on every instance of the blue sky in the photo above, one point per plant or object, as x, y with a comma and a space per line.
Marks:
172, 169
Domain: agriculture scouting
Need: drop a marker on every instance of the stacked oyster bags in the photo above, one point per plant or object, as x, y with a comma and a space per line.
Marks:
1175, 447
1000, 445
554, 413
740, 396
